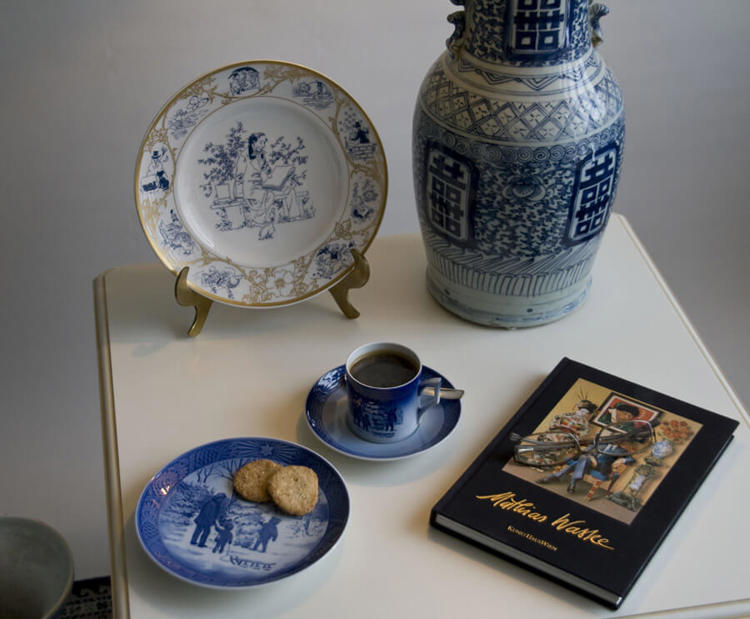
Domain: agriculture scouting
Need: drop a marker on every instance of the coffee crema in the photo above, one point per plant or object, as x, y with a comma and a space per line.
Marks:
384, 368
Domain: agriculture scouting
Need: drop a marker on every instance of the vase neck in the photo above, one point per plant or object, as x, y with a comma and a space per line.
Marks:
524, 32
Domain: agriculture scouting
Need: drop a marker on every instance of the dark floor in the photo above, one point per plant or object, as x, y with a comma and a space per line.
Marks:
89, 599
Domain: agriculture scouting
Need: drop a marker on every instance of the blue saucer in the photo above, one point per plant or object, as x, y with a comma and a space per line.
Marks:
326, 416
192, 524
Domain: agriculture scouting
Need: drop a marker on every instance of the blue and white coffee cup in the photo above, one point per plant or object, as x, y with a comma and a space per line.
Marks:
382, 412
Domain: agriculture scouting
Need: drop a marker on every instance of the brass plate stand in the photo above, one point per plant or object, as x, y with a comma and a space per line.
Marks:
357, 277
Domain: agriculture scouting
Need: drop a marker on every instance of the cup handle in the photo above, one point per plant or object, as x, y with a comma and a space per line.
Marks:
433, 397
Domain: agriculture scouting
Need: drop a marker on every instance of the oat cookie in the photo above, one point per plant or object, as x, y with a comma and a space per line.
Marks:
251, 481
294, 489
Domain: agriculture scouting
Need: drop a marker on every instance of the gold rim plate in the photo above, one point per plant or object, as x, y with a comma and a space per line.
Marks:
261, 177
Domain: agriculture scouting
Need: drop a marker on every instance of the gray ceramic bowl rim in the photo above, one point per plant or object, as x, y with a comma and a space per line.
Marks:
33, 523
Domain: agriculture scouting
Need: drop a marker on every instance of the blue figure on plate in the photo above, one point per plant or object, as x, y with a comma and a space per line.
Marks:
256, 154
360, 134
223, 536
243, 79
269, 184
208, 515
156, 177
332, 258
314, 93
362, 200
256, 183
214, 279
268, 532
357, 141
174, 235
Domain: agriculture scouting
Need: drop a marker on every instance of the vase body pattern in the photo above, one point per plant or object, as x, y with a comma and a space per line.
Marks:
517, 146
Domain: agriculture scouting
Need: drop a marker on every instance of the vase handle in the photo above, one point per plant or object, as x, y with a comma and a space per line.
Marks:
458, 19
597, 10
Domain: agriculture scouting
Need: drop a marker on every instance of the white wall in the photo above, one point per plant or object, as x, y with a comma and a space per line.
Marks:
82, 80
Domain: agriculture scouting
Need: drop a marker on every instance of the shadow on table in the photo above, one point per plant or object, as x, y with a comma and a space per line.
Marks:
142, 301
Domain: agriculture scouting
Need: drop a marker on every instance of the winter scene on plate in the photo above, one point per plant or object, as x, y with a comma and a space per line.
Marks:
209, 528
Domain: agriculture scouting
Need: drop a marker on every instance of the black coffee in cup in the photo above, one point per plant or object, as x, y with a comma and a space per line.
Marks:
384, 368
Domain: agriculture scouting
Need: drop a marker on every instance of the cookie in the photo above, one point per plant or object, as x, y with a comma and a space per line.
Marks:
294, 489
251, 481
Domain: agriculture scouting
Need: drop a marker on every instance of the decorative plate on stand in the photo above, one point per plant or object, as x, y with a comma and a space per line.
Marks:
261, 177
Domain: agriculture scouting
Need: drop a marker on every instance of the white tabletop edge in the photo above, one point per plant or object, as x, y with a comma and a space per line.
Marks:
111, 459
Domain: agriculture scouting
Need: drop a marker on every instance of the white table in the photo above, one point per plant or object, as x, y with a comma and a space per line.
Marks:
248, 374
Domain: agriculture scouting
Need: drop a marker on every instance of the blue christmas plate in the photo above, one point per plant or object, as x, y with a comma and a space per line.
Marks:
192, 524
326, 415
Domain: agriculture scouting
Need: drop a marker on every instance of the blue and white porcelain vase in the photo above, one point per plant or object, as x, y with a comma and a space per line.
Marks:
517, 147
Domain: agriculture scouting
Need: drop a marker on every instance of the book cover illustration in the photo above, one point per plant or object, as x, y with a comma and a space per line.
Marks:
617, 484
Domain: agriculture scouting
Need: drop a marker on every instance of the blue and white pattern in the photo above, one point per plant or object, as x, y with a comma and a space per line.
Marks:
364, 200
260, 177
449, 189
527, 32
326, 415
252, 182
530, 161
358, 139
243, 81
594, 191
333, 258
314, 93
174, 236
192, 524
548, 109
220, 280
186, 117
156, 177
537, 27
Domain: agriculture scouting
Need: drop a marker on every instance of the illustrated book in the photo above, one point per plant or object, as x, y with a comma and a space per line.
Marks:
586, 480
